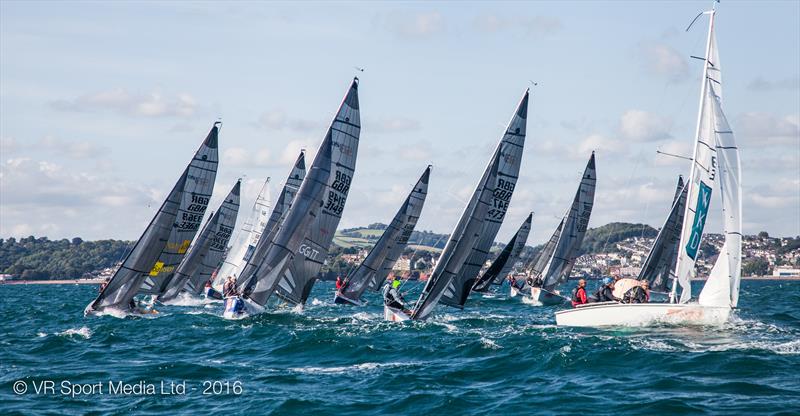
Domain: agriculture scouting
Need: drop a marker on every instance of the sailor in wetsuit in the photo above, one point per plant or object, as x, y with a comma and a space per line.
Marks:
606, 292
229, 289
392, 297
638, 294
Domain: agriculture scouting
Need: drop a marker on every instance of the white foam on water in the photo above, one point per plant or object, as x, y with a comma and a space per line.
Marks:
317, 302
355, 368
41, 334
531, 301
84, 332
186, 299
490, 344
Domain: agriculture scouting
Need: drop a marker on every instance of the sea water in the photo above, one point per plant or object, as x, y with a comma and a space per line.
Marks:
497, 356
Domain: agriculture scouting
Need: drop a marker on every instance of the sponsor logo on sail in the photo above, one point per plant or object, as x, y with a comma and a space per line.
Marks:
701, 211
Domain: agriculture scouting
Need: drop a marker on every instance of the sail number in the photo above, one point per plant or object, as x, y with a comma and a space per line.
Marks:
501, 198
191, 219
221, 238
337, 195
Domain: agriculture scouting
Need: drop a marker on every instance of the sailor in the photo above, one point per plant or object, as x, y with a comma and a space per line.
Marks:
579, 294
103, 286
132, 305
339, 283
229, 289
391, 295
605, 293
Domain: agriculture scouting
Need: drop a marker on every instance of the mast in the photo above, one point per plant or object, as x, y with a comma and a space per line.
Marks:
692, 185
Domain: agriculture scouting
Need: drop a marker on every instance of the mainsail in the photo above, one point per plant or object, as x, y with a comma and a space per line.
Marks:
206, 252
460, 244
509, 156
290, 187
344, 133
663, 254
575, 224
722, 286
200, 176
247, 237
393, 241
702, 175
125, 282
543, 257
506, 259
293, 229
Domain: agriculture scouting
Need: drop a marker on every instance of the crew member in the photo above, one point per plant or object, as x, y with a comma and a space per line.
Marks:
638, 294
391, 295
606, 292
339, 283
579, 294
229, 289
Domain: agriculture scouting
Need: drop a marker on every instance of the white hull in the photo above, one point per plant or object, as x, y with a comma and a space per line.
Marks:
642, 314
249, 309
341, 299
394, 315
538, 297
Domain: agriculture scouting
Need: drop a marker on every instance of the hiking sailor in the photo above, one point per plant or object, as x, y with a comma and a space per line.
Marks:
579, 294
391, 295
229, 289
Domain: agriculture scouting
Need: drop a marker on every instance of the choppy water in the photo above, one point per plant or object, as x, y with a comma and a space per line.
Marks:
497, 357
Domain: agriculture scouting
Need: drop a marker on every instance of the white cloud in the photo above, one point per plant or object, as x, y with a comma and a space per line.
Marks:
642, 126
599, 143
761, 84
665, 61
674, 147
279, 120
391, 125
537, 26
415, 25
122, 101
757, 127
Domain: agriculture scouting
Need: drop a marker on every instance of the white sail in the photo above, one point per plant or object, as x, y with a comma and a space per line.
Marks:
246, 238
722, 286
701, 178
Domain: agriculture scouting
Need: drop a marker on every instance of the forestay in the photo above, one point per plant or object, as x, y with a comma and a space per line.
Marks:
657, 268
290, 187
381, 259
505, 261
344, 133
207, 250
247, 237
508, 155
200, 176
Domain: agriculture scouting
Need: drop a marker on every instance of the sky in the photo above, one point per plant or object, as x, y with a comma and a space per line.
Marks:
103, 104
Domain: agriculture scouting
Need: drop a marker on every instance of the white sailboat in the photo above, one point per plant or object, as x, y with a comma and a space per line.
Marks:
715, 163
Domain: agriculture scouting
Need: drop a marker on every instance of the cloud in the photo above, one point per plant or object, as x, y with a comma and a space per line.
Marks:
642, 126
279, 120
76, 149
415, 25
538, 26
241, 157
391, 125
419, 151
600, 143
121, 101
680, 147
665, 61
786, 84
757, 127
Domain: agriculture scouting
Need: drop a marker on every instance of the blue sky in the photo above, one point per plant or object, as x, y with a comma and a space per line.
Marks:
103, 104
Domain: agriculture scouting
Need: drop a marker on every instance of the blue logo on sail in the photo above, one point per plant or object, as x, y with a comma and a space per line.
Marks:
703, 201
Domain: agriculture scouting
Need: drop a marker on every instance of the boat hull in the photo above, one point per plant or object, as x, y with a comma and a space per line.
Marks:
239, 308
537, 296
641, 314
344, 300
394, 315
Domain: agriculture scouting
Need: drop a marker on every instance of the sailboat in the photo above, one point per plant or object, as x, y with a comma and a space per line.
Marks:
660, 261
314, 196
206, 251
505, 261
715, 164
165, 238
290, 187
345, 130
247, 237
467, 236
554, 263
381, 259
